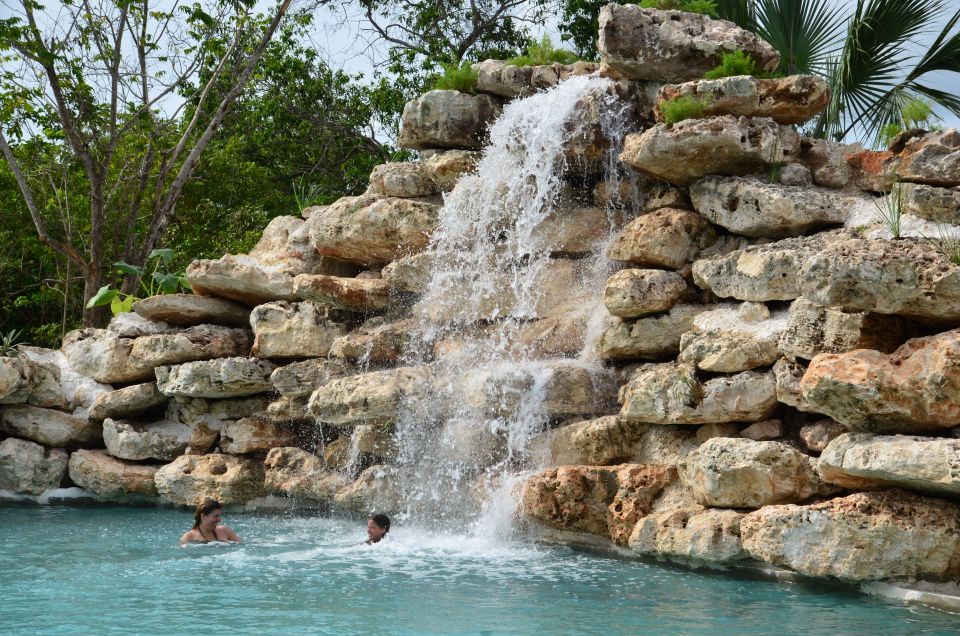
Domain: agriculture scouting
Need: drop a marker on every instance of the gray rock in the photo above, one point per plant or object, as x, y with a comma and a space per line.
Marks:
940, 205
294, 472
130, 400
293, 330
252, 434
406, 179
110, 479
632, 293
30, 468
136, 441
48, 427
218, 378
667, 237
368, 398
188, 310
303, 378
813, 329
447, 119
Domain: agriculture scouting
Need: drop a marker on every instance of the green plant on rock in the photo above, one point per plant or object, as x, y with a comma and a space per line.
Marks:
306, 195
947, 243
916, 113
890, 209
10, 343
160, 281
683, 107
457, 78
706, 7
543, 52
776, 167
737, 63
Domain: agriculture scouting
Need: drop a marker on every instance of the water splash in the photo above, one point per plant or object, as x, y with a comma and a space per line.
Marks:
467, 435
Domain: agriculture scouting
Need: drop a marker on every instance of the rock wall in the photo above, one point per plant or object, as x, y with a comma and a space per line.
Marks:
788, 372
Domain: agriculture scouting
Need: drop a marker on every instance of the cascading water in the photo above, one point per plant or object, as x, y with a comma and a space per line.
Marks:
468, 430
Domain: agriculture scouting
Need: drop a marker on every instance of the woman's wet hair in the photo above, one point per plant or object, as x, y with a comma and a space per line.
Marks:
381, 520
205, 507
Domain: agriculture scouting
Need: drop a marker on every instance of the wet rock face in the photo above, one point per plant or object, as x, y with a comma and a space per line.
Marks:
49, 427
813, 329
303, 378
226, 478
602, 441
111, 479
505, 80
218, 378
375, 342
376, 490
597, 500
293, 330
631, 293
348, 294
690, 533
750, 207
667, 237
909, 277
724, 145
447, 119
672, 46
188, 310
446, 167
732, 472
916, 388
672, 394
651, 338
295, 473
30, 468
371, 231
863, 461
786, 100
865, 536
369, 398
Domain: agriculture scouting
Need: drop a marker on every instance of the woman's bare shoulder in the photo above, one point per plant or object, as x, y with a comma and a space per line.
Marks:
191, 535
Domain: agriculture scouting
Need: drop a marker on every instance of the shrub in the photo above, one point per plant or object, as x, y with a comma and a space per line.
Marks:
463, 79
737, 63
706, 7
540, 53
684, 107
915, 113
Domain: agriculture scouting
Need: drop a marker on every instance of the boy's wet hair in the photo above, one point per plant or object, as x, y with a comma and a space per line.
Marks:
381, 520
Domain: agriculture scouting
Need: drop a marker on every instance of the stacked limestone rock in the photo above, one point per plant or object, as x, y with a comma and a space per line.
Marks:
773, 405
799, 421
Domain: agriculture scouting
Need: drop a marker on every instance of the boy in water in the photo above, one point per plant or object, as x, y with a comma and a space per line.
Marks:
377, 528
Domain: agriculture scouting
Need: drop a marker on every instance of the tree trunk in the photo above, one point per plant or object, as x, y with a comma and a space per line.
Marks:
92, 282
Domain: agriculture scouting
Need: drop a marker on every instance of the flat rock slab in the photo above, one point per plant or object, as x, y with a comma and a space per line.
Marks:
866, 536
672, 46
239, 278
909, 277
188, 310
672, 394
295, 473
137, 441
406, 179
812, 329
376, 342
130, 400
598, 442
29, 468
600, 500
111, 479
373, 231
293, 330
226, 478
253, 434
690, 533
916, 388
723, 145
219, 378
349, 294
369, 398
730, 472
49, 427
447, 119
650, 338
497, 77
303, 378
863, 461
786, 100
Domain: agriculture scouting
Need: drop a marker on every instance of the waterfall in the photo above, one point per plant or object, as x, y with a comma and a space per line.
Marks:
467, 434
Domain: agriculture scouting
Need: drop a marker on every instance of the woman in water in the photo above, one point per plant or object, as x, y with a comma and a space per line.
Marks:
206, 525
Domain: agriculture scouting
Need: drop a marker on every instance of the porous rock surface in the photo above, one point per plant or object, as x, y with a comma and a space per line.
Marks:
111, 479
227, 478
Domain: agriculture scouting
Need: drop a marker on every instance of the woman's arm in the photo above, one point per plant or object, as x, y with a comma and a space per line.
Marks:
231, 535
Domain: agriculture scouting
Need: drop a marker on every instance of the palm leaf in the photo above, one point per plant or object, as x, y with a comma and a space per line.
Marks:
805, 32
740, 12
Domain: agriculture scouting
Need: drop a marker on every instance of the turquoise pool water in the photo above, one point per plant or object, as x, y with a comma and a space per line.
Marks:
98, 570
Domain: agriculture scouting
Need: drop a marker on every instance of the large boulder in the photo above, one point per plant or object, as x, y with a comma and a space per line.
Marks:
685, 152
827, 161
241, 278
447, 119
252, 434
786, 100
603, 441
226, 478
295, 473
915, 388
376, 341
206, 418
812, 329
218, 378
405, 179
865, 536
599, 500
30, 468
497, 77
373, 231
101, 355
447, 166
762, 273
293, 330
23, 380
111, 479
666, 237
348, 294
303, 378
751, 207
632, 293
48, 427
910, 277
728, 340
653, 337
137, 441
188, 310
730, 472
672, 394
130, 400
672, 46
863, 461
368, 398
376, 490
409, 274
690, 533
940, 205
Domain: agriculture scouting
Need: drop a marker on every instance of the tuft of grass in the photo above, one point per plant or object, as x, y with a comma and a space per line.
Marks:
454, 78
543, 52
737, 63
706, 7
890, 209
10, 343
306, 195
915, 113
776, 167
684, 107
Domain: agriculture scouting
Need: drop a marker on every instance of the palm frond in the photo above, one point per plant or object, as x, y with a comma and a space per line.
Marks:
740, 12
806, 32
